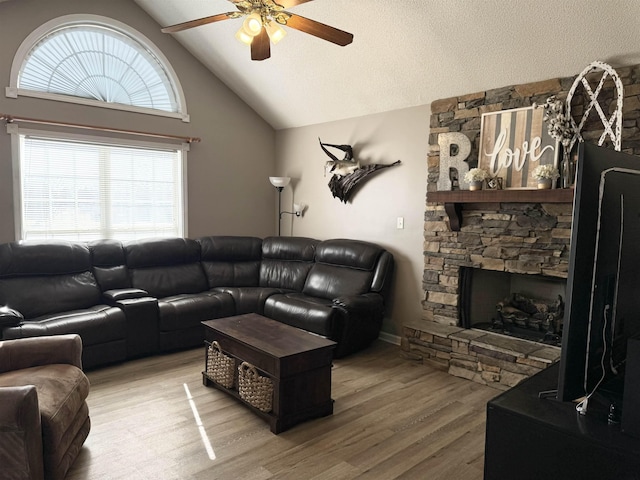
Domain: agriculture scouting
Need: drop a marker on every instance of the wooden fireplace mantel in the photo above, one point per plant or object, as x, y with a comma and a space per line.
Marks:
455, 199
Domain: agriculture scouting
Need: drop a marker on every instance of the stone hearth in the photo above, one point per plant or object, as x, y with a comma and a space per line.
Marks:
484, 357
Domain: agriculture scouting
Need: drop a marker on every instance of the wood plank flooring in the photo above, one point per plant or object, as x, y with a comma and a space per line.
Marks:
153, 419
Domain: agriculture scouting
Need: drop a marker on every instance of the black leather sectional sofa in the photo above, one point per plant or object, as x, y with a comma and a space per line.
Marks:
142, 297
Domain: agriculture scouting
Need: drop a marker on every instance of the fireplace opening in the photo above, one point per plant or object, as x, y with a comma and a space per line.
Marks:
525, 306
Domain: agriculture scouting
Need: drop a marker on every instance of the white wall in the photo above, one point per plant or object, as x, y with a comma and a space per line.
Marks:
399, 191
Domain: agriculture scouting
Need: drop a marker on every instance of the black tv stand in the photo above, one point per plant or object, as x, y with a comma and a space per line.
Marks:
532, 438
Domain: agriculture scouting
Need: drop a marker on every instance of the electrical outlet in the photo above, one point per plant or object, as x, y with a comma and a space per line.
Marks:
400, 223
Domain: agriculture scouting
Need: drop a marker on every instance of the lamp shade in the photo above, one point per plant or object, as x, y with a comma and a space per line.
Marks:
280, 181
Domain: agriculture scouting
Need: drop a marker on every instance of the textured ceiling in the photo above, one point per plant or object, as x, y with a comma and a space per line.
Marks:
405, 52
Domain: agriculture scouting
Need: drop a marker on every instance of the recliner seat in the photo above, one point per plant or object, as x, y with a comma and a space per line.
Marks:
51, 289
44, 417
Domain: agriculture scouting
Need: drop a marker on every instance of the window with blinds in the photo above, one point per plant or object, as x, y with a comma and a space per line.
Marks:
79, 190
97, 61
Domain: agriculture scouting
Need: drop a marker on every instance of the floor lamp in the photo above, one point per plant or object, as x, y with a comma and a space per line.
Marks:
279, 183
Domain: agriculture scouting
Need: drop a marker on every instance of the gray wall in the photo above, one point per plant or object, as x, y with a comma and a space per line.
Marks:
399, 191
228, 189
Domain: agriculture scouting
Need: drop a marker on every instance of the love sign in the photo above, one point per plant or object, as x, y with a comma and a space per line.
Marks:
513, 143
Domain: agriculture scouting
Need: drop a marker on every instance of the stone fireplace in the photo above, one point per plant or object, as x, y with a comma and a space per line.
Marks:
519, 232
507, 231
529, 241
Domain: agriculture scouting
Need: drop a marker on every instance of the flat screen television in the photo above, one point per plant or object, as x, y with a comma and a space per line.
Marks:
603, 287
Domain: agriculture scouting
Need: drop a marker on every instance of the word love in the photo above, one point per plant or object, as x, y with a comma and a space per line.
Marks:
517, 157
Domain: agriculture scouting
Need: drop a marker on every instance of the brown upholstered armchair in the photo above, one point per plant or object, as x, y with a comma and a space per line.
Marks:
44, 417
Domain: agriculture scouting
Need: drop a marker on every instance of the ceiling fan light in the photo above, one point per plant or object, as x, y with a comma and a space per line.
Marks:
243, 37
252, 25
276, 32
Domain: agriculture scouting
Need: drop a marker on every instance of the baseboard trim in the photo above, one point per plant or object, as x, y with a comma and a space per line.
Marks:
389, 338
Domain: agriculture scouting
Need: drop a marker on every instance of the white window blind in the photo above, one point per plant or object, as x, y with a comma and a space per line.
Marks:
100, 63
97, 61
80, 190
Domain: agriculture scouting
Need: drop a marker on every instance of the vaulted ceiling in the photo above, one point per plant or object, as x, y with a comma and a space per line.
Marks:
405, 52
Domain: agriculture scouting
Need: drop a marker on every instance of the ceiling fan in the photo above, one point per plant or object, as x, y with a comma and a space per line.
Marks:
262, 25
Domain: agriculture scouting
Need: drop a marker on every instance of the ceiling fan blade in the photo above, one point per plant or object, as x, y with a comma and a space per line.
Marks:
291, 3
261, 46
320, 30
196, 23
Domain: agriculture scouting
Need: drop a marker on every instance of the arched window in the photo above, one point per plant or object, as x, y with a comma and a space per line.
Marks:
96, 61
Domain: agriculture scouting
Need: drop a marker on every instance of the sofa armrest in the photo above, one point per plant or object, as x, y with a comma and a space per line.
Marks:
9, 317
365, 302
20, 433
142, 325
30, 352
358, 322
112, 297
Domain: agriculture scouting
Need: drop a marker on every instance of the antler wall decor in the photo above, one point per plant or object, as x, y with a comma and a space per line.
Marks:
347, 173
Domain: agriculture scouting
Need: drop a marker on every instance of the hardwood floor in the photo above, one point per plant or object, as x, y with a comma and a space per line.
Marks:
153, 419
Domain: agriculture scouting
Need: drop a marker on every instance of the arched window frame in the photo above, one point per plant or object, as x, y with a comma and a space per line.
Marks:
12, 91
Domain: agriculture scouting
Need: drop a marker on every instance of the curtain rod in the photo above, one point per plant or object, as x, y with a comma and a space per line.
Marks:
11, 118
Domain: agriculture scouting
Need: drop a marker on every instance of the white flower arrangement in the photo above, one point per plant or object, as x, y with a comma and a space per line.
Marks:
475, 175
545, 172
560, 126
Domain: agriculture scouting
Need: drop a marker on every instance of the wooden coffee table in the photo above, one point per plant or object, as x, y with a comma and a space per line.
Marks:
297, 362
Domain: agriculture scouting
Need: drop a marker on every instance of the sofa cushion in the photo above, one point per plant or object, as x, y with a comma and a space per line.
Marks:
343, 267
108, 260
165, 267
185, 311
348, 253
95, 325
231, 261
302, 311
38, 278
230, 248
286, 261
34, 296
43, 258
249, 299
163, 282
161, 252
328, 281
300, 249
